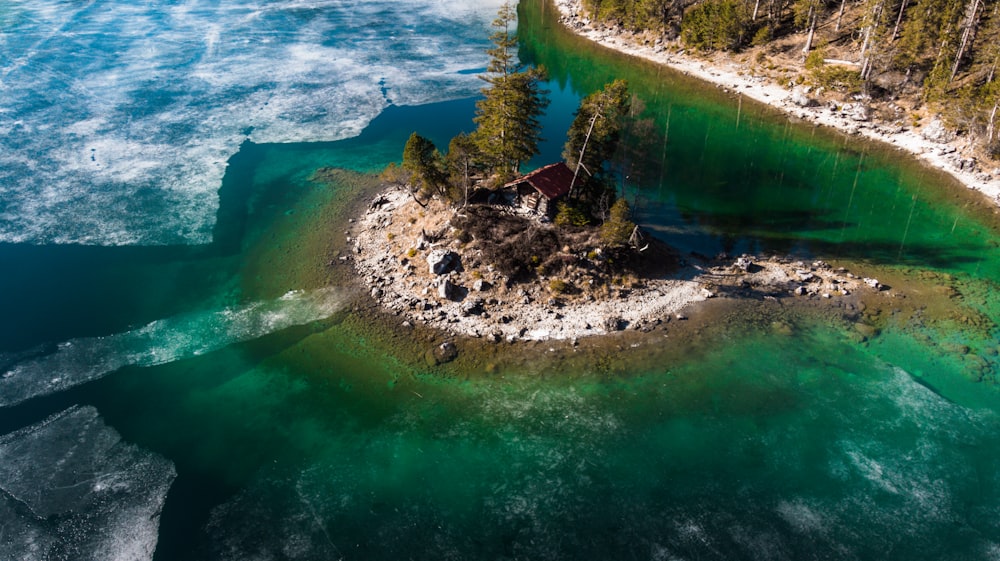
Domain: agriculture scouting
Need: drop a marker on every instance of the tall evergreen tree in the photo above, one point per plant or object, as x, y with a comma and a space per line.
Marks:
508, 115
593, 137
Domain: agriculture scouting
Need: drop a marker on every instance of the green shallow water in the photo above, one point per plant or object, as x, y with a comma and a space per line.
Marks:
333, 440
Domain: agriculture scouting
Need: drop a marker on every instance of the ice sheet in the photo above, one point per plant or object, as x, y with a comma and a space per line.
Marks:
81, 360
70, 489
117, 118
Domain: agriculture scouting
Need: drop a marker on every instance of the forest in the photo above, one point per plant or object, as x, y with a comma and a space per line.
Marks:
941, 55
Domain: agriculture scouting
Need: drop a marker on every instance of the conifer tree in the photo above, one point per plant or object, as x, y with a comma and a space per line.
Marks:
715, 25
807, 13
421, 158
593, 136
461, 164
618, 227
508, 115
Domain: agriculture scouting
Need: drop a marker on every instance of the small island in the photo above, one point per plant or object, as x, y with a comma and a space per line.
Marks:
463, 243
498, 272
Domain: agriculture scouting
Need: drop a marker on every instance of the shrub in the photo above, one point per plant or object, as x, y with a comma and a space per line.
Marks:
762, 37
558, 286
618, 227
570, 215
832, 77
815, 60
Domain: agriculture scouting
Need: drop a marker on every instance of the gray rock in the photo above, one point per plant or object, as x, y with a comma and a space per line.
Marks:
445, 352
800, 98
614, 324
445, 289
472, 306
935, 131
481, 285
966, 164
442, 261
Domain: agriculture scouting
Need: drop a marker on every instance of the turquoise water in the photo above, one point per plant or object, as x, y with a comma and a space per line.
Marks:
305, 434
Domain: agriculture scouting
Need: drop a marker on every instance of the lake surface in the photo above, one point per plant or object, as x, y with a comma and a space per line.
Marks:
192, 308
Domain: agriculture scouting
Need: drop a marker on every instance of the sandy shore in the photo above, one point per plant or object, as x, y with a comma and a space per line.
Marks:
739, 78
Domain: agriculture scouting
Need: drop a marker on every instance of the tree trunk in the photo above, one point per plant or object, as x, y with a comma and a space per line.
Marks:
866, 59
864, 51
840, 14
899, 20
967, 35
991, 129
756, 6
579, 160
812, 31
466, 181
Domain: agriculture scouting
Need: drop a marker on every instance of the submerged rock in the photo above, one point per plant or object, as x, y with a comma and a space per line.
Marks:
445, 352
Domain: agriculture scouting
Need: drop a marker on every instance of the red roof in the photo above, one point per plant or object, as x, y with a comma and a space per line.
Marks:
552, 181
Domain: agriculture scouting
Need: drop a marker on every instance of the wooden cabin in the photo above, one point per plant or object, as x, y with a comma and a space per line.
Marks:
539, 190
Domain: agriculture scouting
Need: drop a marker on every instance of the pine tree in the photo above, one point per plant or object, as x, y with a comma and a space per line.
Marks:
421, 158
715, 25
970, 22
807, 13
593, 137
619, 226
508, 115
461, 164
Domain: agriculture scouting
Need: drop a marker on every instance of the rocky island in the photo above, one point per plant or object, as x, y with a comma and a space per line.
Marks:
455, 269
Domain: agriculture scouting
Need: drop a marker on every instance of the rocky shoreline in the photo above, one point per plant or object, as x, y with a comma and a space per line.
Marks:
931, 143
442, 282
